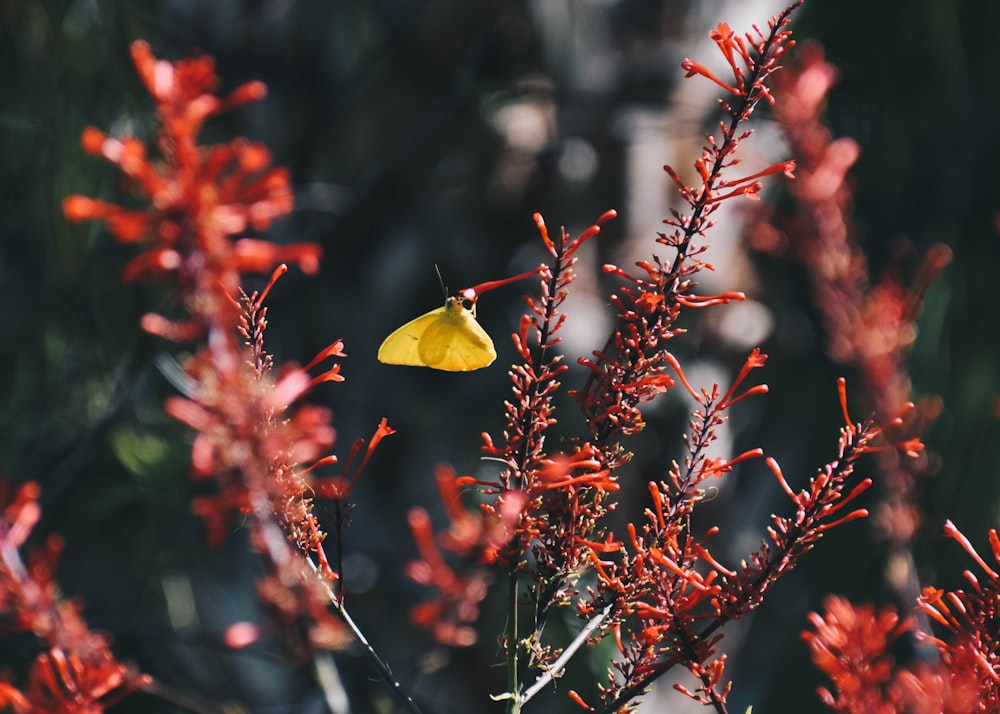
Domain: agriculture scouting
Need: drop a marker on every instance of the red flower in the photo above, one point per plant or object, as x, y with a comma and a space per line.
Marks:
199, 198
76, 673
851, 646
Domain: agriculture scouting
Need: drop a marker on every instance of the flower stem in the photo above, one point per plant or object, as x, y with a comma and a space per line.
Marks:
581, 638
514, 703
381, 665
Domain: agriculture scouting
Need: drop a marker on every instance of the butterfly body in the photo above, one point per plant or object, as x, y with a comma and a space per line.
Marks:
447, 338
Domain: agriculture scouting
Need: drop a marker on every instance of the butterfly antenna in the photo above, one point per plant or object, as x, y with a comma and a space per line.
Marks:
441, 280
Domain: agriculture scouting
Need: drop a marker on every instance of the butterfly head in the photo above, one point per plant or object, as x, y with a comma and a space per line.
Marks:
465, 300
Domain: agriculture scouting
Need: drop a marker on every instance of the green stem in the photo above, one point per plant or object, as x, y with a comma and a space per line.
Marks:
513, 645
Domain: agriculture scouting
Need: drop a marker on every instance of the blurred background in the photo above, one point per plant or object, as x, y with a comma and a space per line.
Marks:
423, 133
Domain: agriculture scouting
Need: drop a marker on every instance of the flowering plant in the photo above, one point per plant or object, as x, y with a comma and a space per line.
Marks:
541, 522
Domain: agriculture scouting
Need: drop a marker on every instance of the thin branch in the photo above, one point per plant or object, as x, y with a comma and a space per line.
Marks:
557, 667
380, 664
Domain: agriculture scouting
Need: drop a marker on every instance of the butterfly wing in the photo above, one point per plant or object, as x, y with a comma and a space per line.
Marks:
403, 345
455, 342
448, 338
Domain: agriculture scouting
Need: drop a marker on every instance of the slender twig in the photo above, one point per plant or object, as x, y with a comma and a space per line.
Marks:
557, 667
513, 645
380, 664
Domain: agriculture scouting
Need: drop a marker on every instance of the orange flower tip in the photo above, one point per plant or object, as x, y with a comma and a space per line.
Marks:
162, 327
128, 227
240, 634
308, 264
418, 518
912, 447
278, 272
81, 208
383, 427
328, 460
308, 260
198, 108
253, 157
579, 700
92, 140
939, 256
29, 491
331, 375
334, 349
249, 92
140, 48
722, 33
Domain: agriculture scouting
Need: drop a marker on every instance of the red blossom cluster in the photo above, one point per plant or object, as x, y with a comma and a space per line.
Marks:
867, 325
563, 492
631, 369
669, 596
76, 673
199, 198
972, 620
659, 592
257, 450
543, 501
475, 537
957, 674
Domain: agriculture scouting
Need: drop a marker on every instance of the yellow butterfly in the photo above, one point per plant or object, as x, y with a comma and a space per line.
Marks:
447, 338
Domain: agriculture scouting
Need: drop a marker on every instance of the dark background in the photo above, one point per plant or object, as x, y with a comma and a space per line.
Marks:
422, 133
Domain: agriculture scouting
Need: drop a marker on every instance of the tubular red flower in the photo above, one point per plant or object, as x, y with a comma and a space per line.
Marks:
680, 374
577, 699
755, 360
951, 531
340, 486
709, 300
475, 291
708, 558
852, 516
842, 392
692, 68
608, 546
331, 375
81, 208
776, 470
719, 466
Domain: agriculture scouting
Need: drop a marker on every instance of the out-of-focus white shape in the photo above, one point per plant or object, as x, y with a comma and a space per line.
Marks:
744, 325
577, 161
524, 125
179, 598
